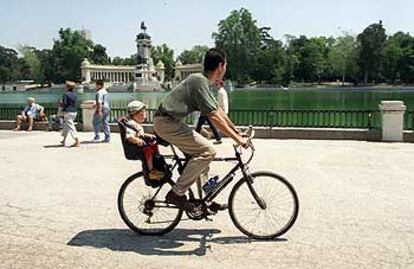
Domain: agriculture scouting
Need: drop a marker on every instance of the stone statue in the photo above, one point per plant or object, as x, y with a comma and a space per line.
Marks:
143, 27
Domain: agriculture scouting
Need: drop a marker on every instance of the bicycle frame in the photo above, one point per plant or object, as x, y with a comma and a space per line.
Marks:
227, 179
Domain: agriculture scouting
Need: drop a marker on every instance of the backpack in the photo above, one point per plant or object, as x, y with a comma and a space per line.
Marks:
145, 154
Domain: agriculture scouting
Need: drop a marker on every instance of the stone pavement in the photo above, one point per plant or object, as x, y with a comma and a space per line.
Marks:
58, 209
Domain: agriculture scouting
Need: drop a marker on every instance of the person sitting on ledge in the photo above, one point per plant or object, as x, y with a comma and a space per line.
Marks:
56, 119
29, 113
41, 114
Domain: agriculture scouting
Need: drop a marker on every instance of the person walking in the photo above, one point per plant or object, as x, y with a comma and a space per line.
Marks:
222, 98
69, 114
202, 119
101, 114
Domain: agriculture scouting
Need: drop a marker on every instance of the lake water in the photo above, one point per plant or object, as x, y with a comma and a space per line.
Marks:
335, 98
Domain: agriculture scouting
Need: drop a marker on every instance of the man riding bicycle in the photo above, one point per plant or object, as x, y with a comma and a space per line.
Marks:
193, 94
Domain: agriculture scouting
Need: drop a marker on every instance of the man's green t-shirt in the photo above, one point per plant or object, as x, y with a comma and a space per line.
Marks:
192, 94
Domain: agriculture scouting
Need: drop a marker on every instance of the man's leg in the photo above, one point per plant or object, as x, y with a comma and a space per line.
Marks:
107, 130
72, 129
65, 129
30, 122
50, 121
19, 119
96, 126
199, 127
60, 122
214, 130
201, 121
190, 142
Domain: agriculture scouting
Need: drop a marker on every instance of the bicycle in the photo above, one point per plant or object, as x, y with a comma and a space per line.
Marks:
249, 201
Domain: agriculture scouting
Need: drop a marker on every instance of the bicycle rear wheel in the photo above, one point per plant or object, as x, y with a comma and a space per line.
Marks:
143, 208
280, 210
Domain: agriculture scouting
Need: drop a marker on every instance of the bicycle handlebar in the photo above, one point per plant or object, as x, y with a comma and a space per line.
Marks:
249, 144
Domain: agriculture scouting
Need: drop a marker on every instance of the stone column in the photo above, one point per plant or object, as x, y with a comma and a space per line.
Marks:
88, 109
86, 75
392, 116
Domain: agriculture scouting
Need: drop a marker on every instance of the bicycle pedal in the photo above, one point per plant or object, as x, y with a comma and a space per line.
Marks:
208, 219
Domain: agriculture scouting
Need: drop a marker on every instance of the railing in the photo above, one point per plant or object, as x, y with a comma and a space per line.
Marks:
10, 112
365, 119
359, 119
409, 120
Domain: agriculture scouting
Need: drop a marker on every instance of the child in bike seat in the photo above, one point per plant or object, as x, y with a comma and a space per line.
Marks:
134, 134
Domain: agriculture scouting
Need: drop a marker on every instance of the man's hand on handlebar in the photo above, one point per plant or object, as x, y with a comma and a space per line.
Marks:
244, 142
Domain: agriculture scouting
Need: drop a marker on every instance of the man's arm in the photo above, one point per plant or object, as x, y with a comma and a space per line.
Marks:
99, 108
220, 122
98, 103
229, 122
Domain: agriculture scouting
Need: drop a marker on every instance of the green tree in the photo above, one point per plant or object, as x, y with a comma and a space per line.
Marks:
32, 59
99, 55
371, 51
342, 57
12, 68
271, 62
307, 57
8, 64
45, 57
166, 55
194, 55
132, 60
240, 38
399, 58
68, 53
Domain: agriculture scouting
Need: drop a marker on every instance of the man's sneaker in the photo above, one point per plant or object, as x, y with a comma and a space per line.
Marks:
96, 140
217, 142
106, 140
175, 199
216, 207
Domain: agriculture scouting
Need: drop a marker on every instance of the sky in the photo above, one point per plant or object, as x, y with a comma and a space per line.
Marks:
181, 24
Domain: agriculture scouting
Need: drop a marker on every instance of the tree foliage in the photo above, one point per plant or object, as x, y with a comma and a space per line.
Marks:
240, 37
193, 56
166, 55
12, 68
371, 51
253, 55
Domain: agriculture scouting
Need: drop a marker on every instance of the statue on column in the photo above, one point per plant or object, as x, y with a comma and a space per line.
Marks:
143, 27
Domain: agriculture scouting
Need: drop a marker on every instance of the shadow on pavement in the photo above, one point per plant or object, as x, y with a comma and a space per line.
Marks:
86, 142
53, 146
127, 240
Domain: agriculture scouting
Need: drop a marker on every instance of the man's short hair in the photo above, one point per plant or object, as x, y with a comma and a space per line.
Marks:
100, 82
213, 58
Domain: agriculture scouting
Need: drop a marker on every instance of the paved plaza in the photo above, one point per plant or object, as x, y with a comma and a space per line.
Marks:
58, 208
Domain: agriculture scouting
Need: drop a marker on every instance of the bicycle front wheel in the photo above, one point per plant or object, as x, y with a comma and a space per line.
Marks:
278, 210
143, 208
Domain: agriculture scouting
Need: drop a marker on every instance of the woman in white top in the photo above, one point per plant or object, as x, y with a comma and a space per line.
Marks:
222, 99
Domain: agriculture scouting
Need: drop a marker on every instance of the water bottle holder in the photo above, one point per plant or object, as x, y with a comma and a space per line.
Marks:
210, 184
